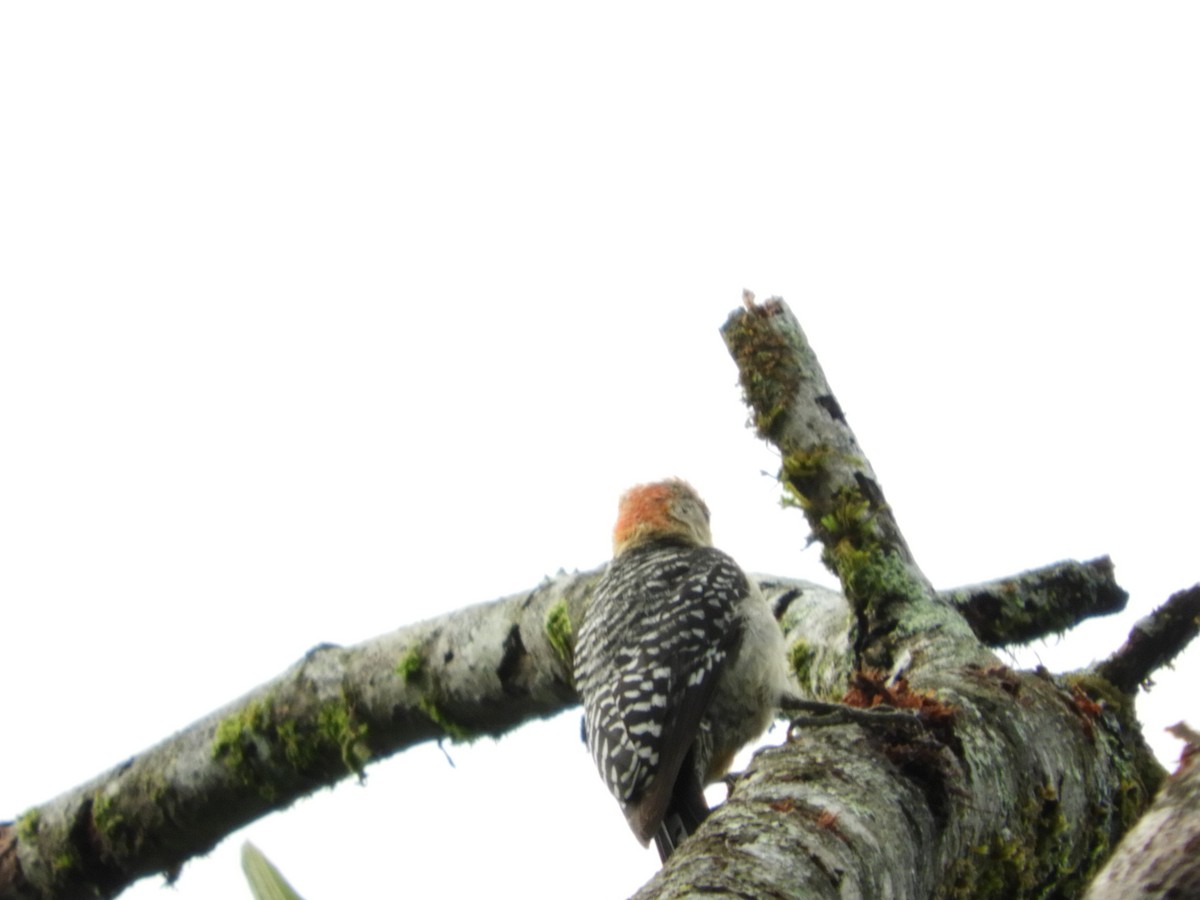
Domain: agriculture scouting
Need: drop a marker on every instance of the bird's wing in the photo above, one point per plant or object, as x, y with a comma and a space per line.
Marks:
682, 655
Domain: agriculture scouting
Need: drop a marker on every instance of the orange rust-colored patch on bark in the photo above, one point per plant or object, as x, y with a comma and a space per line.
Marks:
1085, 704
869, 689
1087, 708
924, 758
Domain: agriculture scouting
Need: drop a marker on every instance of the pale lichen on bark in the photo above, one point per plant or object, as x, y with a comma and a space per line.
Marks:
481, 670
1016, 784
1020, 783
1159, 858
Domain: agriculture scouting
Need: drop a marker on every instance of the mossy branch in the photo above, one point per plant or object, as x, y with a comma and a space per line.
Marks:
480, 670
1039, 603
1022, 782
825, 473
1158, 857
1154, 641
339, 709
969, 808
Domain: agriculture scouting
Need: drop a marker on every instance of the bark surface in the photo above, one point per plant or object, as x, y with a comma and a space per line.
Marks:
1018, 783
1160, 858
996, 783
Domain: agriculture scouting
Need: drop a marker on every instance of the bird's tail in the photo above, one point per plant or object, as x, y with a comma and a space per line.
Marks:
685, 811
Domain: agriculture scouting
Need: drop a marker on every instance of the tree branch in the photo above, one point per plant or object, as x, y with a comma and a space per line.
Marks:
827, 475
1157, 860
1154, 641
1013, 780
481, 670
1017, 609
1010, 789
1040, 602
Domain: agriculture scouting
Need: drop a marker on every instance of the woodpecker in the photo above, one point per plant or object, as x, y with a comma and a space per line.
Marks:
679, 663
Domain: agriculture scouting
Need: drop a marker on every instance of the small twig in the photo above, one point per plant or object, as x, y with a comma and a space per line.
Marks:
1154, 641
828, 714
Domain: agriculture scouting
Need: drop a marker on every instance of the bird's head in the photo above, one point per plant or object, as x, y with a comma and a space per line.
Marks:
664, 509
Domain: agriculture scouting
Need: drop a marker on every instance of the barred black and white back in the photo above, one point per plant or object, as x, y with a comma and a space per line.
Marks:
665, 623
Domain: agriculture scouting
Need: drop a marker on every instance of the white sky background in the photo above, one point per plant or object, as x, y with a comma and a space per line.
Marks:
319, 320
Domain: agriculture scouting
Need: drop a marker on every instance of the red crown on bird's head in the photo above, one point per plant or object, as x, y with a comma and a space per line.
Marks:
670, 508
